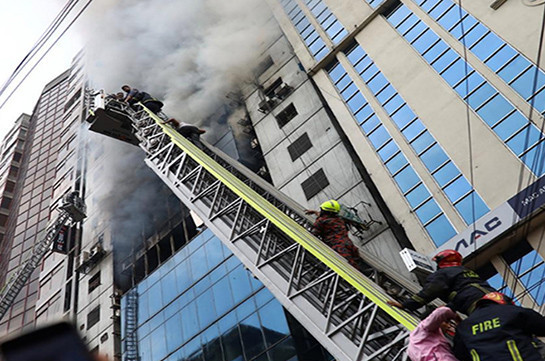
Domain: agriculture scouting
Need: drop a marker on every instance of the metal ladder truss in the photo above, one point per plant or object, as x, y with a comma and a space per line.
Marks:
131, 323
72, 209
344, 310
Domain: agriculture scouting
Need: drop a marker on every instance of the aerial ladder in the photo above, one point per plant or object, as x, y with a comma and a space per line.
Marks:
343, 309
72, 209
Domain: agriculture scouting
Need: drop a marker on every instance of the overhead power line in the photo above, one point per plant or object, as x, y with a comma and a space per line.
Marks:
46, 52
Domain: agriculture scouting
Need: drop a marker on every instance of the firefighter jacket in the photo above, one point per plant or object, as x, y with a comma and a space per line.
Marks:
457, 286
497, 332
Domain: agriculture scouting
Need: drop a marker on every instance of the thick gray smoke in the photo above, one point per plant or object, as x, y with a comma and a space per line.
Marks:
189, 53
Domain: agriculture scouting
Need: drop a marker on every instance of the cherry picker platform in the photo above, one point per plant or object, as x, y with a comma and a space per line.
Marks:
344, 310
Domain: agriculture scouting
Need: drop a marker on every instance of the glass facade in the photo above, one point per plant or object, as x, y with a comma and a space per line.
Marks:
408, 181
449, 178
514, 68
306, 30
202, 304
520, 135
530, 271
329, 23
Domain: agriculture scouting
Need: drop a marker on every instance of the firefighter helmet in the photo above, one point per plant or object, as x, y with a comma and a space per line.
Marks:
331, 206
448, 258
497, 297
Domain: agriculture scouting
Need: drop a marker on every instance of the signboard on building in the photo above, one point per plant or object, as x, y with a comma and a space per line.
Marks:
60, 244
495, 222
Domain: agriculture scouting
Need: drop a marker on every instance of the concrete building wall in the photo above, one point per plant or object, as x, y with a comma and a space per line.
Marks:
492, 161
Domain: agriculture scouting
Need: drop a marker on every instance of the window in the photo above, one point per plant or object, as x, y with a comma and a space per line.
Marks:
10, 186
13, 171
270, 90
6, 203
315, 184
491, 106
286, 115
94, 282
93, 317
17, 156
263, 66
299, 147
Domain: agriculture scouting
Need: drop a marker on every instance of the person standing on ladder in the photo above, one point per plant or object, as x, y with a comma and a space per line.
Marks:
333, 231
454, 284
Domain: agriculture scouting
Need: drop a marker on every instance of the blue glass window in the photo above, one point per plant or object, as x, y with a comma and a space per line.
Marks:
530, 269
491, 105
433, 157
427, 211
396, 163
404, 175
425, 146
466, 204
406, 179
417, 195
306, 30
499, 56
440, 230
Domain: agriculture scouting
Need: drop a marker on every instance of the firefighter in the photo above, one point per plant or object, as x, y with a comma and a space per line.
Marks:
189, 131
134, 96
498, 330
333, 231
456, 285
428, 342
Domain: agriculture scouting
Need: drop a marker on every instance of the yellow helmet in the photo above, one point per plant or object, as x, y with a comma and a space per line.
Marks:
331, 206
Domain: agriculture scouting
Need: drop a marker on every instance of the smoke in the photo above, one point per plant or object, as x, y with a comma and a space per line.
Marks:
125, 197
188, 53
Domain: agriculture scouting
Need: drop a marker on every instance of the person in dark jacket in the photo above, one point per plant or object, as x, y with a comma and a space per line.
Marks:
333, 231
454, 284
134, 96
498, 330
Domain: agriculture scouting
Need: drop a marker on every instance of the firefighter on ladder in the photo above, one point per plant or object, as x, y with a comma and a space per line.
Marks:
498, 330
454, 284
134, 96
333, 231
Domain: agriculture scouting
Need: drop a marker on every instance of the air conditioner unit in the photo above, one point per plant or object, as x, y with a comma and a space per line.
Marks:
266, 105
84, 257
283, 91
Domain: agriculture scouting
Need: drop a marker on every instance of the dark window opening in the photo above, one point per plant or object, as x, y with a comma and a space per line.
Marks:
270, 90
6, 203
10, 186
390, 8
286, 115
264, 65
93, 317
94, 282
299, 147
315, 184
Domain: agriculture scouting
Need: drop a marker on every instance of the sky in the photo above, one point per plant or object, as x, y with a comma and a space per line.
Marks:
22, 22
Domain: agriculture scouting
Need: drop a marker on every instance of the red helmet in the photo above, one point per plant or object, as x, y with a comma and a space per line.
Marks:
497, 297
448, 258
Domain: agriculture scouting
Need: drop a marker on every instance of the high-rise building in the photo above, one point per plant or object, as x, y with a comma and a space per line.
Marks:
423, 117
11, 158
443, 107
31, 206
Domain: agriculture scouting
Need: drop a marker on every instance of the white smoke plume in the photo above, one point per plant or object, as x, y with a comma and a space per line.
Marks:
188, 53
